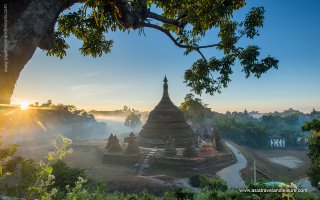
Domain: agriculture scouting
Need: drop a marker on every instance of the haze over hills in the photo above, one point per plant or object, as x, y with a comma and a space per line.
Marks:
37, 125
77, 124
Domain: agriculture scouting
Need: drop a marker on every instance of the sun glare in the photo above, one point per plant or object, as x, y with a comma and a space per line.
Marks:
24, 105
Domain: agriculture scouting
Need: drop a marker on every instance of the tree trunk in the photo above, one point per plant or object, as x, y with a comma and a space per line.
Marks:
29, 24
7, 83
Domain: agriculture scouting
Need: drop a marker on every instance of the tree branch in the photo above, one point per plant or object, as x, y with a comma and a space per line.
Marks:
163, 19
184, 14
204, 58
167, 32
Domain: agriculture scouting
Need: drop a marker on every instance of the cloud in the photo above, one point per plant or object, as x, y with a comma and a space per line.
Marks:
94, 90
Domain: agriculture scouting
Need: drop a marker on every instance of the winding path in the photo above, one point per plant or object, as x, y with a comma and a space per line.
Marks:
231, 174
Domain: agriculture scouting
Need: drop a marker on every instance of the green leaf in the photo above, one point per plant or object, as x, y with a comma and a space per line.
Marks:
48, 169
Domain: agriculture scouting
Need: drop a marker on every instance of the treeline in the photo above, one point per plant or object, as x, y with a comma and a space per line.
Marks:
246, 130
71, 122
65, 113
124, 112
252, 129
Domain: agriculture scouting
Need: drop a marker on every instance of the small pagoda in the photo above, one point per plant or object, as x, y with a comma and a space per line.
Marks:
165, 121
113, 144
190, 151
132, 147
206, 150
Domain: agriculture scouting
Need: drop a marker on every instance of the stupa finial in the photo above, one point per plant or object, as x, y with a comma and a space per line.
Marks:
165, 79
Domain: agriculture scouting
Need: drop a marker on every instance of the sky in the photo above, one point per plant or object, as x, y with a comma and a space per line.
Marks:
133, 72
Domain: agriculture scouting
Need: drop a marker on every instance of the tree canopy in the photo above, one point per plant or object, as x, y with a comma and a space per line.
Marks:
189, 24
314, 151
133, 120
186, 23
194, 109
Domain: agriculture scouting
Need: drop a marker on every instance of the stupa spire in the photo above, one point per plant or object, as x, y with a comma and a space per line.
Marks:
165, 96
165, 80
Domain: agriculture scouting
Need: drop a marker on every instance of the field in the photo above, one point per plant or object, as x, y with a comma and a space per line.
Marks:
267, 170
89, 156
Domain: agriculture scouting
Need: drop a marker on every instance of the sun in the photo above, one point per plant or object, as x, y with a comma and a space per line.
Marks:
24, 105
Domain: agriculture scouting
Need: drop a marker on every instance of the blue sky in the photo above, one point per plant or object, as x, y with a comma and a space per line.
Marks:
132, 73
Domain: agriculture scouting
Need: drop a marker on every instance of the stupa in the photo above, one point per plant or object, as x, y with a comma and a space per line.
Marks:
206, 150
165, 121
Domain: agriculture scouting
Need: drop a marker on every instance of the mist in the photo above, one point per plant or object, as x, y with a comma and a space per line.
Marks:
115, 125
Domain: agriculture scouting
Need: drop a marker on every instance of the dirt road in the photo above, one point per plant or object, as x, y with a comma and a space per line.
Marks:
231, 174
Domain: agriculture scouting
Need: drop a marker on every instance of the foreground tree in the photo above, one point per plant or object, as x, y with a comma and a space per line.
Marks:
29, 24
314, 151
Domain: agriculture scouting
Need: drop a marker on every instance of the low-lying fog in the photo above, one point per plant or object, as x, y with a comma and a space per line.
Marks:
115, 125
34, 136
42, 131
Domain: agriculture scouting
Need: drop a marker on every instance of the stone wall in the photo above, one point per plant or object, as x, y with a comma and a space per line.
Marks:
194, 163
121, 158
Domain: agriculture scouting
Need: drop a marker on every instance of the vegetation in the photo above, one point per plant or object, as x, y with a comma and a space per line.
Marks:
252, 129
242, 129
120, 112
65, 175
53, 179
67, 113
73, 123
314, 152
8, 165
133, 120
218, 142
196, 111
186, 23
33, 181
181, 23
22, 173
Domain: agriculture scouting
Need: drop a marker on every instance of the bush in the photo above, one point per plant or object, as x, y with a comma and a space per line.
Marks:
195, 181
216, 184
65, 175
314, 174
